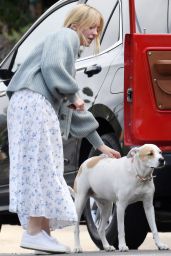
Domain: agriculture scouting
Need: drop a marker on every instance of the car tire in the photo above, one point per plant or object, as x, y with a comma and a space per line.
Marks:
110, 140
136, 226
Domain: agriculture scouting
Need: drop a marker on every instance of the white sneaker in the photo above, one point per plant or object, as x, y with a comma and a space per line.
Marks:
68, 250
36, 252
42, 242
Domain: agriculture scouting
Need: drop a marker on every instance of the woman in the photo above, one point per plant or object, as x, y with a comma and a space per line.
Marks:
42, 88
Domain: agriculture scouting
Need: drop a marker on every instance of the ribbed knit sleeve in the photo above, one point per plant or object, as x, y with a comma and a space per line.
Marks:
95, 139
83, 124
59, 54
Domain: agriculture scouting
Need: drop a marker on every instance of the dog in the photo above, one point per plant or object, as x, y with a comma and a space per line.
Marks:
121, 181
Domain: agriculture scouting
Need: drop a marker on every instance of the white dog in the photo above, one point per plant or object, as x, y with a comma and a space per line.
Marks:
121, 181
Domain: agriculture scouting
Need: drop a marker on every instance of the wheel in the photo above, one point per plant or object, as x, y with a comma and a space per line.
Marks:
136, 226
110, 140
92, 217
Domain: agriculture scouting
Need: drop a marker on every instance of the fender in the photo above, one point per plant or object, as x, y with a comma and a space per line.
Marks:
108, 123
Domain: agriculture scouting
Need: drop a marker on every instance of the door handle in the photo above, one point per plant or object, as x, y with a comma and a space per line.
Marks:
129, 94
92, 70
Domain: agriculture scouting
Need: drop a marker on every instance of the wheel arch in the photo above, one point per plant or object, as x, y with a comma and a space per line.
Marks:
108, 123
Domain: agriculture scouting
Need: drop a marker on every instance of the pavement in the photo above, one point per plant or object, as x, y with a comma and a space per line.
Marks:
102, 253
10, 237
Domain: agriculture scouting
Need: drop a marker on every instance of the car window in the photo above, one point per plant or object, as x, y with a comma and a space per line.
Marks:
104, 8
154, 21
112, 34
106, 12
50, 24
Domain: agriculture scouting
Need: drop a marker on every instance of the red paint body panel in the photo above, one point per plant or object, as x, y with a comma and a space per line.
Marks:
132, 16
144, 122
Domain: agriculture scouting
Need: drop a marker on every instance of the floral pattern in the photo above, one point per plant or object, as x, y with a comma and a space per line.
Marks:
37, 185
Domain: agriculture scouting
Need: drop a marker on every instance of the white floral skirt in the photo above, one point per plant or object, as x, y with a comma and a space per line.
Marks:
37, 185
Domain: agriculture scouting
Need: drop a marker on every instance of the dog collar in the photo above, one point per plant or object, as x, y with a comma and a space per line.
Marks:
145, 179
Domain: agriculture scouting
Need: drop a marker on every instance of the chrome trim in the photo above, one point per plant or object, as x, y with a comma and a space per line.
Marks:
2, 93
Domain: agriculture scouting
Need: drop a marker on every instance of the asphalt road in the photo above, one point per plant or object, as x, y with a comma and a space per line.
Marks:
10, 237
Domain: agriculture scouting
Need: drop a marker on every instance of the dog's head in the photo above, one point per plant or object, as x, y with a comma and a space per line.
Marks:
149, 154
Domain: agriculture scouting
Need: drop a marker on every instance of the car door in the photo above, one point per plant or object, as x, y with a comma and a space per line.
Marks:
92, 70
147, 77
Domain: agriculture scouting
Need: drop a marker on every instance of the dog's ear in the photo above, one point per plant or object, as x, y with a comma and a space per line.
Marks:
132, 152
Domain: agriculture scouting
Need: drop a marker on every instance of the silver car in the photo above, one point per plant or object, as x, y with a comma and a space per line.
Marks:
101, 79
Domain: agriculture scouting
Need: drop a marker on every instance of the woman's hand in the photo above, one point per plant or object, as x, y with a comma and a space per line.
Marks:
79, 105
109, 151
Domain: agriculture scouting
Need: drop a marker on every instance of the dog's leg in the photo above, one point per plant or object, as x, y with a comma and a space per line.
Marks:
121, 230
149, 211
80, 201
105, 211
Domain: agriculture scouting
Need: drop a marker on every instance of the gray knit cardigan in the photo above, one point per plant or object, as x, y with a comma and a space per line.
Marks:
50, 71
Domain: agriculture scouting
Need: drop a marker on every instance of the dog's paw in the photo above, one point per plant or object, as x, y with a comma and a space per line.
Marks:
123, 248
162, 246
109, 248
77, 250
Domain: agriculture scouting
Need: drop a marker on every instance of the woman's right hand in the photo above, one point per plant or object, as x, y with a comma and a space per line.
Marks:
110, 152
79, 105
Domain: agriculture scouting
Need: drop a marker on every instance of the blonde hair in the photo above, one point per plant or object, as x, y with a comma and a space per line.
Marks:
85, 16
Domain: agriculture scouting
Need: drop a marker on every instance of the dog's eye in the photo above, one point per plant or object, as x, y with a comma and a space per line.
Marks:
150, 154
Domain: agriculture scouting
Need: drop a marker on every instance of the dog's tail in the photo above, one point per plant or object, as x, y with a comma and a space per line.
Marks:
72, 192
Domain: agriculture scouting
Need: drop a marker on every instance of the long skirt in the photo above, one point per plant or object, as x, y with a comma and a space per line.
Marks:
37, 185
